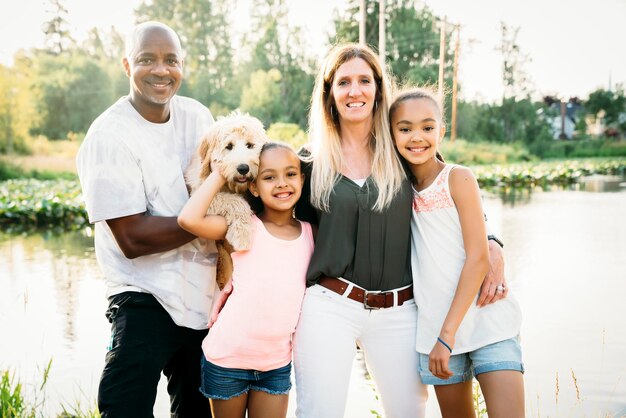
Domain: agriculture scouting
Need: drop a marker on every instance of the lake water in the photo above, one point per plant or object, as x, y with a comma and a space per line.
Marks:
566, 262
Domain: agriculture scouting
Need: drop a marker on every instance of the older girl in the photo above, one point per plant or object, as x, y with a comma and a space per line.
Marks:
455, 339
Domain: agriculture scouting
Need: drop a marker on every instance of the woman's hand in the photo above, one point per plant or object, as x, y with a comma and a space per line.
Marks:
438, 360
220, 301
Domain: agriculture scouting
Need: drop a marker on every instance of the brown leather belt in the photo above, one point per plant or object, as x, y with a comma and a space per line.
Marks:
370, 300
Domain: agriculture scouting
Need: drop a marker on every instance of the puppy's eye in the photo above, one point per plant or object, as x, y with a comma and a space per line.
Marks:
250, 145
229, 146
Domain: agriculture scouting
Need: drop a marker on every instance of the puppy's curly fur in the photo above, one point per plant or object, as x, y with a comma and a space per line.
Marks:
234, 143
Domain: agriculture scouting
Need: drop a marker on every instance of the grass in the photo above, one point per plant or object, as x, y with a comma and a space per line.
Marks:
13, 403
37, 167
478, 153
47, 159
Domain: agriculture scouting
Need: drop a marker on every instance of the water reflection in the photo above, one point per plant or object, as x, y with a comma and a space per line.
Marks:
51, 308
565, 258
513, 196
601, 183
63, 256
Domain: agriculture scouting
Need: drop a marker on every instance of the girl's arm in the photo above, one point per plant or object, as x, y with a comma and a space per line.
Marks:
193, 218
466, 195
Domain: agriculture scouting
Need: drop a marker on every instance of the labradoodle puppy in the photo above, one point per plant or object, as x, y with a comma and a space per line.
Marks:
234, 142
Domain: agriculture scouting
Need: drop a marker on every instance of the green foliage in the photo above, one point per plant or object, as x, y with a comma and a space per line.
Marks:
261, 97
276, 46
14, 405
580, 149
512, 121
77, 411
547, 172
609, 105
42, 203
6, 103
412, 38
472, 153
289, 133
12, 138
12, 402
10, 171
73, 89
58, 203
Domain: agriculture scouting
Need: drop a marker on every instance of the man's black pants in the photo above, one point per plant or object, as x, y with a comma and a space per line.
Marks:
145, 342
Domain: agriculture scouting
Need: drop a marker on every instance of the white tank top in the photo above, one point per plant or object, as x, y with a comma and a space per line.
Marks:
437, 258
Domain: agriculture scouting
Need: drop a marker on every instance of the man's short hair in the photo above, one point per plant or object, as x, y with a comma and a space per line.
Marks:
137, 31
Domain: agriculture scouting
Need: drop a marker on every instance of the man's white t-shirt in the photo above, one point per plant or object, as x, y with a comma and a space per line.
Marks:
128, 165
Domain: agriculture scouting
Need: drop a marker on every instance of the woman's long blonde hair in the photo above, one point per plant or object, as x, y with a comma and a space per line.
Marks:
324, 130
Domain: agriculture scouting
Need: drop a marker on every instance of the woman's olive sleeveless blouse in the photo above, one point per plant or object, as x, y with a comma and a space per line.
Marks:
370, 249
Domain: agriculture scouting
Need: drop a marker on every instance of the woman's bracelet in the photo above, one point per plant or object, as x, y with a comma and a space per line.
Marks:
444, 344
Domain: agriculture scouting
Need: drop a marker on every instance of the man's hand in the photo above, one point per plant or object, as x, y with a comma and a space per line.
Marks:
494, 286
220, 302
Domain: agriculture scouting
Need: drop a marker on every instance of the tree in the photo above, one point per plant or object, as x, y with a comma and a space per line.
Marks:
511, 121
514, 78
412, 37
609, 105
7, 90
58, 38
18, 110
261, 96
517, 112
107, 49
276, 45
72, 90
289, 133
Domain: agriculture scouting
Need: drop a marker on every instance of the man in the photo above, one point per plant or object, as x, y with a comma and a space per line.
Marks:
159, 284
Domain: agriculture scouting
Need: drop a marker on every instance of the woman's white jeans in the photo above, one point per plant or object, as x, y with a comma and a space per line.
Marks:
324, 349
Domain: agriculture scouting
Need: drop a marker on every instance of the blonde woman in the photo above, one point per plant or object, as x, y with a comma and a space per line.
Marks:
359, 278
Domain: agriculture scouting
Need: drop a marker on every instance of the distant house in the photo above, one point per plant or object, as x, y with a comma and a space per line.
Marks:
564, 116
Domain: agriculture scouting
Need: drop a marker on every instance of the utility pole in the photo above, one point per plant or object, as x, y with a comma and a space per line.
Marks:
442, 57
382, 47
363, 11
455, 83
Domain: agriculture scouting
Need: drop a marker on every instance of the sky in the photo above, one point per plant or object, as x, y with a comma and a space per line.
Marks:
575, 46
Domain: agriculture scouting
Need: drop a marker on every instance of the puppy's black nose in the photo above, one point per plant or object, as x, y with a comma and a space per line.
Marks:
243, 169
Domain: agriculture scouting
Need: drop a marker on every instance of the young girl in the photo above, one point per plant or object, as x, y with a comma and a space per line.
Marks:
455, 338
247, 354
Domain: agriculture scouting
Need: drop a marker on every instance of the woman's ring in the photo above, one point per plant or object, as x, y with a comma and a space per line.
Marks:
500, 288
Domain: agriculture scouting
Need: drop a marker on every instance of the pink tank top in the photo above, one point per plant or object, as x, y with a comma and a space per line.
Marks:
253, 331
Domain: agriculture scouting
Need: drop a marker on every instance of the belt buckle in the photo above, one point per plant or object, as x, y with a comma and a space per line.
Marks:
365, 300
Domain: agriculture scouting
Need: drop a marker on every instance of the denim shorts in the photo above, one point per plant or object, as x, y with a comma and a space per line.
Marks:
503, 355
225, 383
